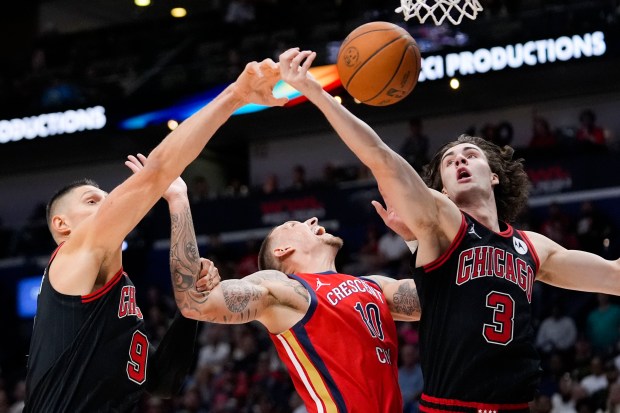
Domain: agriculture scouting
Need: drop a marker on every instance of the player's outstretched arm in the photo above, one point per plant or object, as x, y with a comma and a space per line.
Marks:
126, 205
402, 297
172, 359
267, 296
423, 210
574, 269
89, 252
185, 262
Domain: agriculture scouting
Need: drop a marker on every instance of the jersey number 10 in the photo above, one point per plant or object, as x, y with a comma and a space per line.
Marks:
372, 318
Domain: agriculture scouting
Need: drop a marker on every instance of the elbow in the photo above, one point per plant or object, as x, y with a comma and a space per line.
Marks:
385, 162
185, 311
380, 156
157, 169
190, 312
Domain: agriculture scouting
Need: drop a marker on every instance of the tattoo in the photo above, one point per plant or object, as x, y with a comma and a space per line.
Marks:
237, 295
296, 286
406, 300
185, 262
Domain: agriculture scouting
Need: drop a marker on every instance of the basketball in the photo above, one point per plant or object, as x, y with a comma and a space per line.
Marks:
379, 63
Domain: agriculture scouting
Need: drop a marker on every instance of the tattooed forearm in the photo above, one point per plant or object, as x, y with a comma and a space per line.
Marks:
406, 299
185, 261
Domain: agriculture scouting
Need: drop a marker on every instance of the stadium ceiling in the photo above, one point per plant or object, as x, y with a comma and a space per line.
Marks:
70, 16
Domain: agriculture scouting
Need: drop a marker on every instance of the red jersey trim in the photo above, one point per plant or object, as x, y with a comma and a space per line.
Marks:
103, 290
474, 405
455, 243
507, 232
531, 247
54, 253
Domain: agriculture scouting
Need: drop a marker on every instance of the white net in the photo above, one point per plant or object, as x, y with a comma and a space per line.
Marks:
439, 10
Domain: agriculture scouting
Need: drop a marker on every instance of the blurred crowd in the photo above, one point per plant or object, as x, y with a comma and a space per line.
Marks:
237, 369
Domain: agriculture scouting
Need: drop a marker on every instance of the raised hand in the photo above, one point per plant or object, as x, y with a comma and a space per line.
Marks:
393, 221
209, 276
178, 187
255, 84
294, 66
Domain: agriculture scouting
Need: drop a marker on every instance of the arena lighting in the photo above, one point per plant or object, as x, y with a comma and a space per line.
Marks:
454, 83
532, 53
27, 294
142, 3
327, 76
172, 124
178, 12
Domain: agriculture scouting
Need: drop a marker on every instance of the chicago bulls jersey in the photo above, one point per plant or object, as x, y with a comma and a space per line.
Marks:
88, 353
476, 337
342, 356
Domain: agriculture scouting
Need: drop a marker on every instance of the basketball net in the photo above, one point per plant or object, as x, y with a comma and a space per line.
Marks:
439, 10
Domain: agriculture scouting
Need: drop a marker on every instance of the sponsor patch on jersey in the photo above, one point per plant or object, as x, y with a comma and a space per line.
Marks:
520, 246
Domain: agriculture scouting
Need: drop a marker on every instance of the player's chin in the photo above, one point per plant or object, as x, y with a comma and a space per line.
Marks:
334, 241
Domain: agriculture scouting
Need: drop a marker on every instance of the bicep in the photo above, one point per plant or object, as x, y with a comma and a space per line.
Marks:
576, 270
402, 297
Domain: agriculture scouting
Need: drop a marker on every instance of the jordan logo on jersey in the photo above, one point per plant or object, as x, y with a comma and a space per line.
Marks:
319, 284
127, 305
472, 231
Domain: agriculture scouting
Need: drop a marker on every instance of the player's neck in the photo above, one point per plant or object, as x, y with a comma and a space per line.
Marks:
483, 212
315, 264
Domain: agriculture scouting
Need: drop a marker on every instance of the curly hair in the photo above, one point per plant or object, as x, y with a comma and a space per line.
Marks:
512, 191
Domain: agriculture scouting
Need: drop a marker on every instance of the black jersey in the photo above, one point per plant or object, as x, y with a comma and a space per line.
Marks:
476, 337
88, 353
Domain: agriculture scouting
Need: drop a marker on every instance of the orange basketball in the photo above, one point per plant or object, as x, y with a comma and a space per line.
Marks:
379, 63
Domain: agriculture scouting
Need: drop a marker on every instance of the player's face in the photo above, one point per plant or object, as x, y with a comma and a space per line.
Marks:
465, 168
83, 202
304, 236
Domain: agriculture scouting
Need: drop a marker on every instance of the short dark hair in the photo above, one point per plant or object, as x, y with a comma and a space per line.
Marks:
64, 191
512, 191
266, 259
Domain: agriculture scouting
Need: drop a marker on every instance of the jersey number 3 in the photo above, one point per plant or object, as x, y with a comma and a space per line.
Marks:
138, 355
500, 331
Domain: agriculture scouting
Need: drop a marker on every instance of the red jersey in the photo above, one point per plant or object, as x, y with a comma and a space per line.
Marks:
342, 356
